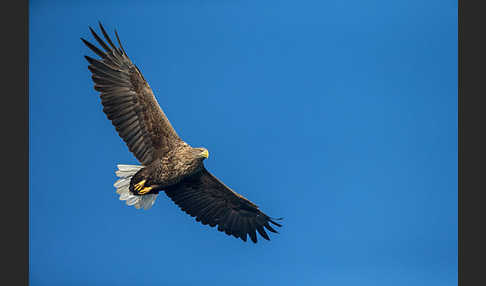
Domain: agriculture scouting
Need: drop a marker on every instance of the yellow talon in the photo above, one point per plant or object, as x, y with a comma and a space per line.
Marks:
145, 190
139, 185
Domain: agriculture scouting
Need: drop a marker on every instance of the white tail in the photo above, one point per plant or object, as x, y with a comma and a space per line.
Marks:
126, 172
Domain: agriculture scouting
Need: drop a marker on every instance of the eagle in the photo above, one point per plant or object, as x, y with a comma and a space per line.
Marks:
168, 164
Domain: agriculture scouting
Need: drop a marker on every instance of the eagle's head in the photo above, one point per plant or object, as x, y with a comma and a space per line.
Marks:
201, 153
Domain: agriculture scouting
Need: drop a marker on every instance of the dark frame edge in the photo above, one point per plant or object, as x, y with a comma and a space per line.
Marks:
459, 141
15, 159
471, 142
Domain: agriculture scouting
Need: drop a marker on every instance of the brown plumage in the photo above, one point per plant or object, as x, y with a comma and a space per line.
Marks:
169, 164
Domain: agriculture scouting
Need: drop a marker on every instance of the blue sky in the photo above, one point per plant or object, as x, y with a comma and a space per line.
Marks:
340, 116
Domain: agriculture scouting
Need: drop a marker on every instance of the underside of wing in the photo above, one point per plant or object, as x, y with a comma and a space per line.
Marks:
128, 101
213, 203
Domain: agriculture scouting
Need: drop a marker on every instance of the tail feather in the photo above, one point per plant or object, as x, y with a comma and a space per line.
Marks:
125, 173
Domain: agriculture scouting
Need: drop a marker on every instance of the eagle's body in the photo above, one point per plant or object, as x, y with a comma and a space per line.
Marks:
168, 163
173, 167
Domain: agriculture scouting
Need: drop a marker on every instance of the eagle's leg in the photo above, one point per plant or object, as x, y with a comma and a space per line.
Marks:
138, 186
145, 190
141, 189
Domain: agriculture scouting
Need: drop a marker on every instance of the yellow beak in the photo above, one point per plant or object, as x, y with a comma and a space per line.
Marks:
205, 154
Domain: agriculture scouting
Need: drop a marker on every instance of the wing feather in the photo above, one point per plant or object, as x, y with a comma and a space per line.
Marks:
213, 203
129, 102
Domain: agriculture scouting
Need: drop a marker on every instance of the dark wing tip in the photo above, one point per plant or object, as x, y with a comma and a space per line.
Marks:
119, 42
243, 237
89, 59
101, 25
91, 29
253, 236
262, 232
94, 48
273, 221
84, 41
107, 37
267, 226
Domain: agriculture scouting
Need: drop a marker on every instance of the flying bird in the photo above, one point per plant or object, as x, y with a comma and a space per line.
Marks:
168, 163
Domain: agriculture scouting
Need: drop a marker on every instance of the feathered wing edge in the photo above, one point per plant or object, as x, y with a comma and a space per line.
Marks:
212, 203
128, 101
125, 173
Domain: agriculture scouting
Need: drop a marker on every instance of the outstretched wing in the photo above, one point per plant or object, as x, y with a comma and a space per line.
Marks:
129, 102
213, 203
